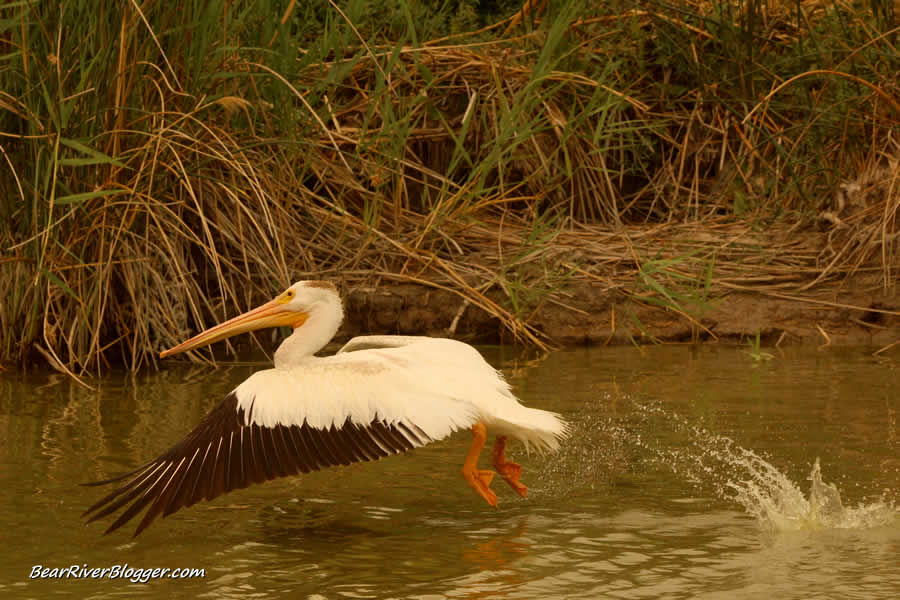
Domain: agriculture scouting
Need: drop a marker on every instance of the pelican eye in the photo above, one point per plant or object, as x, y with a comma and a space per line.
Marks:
287, 296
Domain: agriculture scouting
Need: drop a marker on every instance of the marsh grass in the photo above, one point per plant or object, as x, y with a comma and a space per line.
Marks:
165, 166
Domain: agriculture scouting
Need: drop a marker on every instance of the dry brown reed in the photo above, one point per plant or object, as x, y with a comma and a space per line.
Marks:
501, 170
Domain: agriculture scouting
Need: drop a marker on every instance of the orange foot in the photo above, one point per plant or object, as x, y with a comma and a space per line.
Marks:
480, 481
510, 471
477, 479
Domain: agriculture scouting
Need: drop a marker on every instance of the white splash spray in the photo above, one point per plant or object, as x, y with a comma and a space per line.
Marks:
779, 503
734, 473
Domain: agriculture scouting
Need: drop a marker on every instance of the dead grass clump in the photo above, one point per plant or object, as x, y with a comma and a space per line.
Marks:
160, 181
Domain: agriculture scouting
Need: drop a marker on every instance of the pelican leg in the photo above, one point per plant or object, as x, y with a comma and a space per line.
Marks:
478, 480
510, 471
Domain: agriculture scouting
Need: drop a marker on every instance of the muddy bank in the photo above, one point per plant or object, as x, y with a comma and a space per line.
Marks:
856, 311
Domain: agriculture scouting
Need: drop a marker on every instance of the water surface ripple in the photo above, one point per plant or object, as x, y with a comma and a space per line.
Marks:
691, 473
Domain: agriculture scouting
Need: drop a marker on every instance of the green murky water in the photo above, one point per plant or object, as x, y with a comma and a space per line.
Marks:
690, 474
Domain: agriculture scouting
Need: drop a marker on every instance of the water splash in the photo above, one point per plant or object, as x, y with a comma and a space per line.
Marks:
716, 463
778, 502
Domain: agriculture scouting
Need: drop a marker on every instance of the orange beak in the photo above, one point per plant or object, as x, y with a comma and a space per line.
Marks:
270, 314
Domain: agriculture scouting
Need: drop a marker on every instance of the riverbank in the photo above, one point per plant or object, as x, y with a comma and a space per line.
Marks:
833, 317
674, 284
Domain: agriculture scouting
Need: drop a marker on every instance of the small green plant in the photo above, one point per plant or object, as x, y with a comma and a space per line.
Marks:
533, 276
671, 283
674, 288
756, 352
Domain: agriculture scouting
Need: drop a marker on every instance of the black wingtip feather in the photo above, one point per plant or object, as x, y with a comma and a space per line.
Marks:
227, 451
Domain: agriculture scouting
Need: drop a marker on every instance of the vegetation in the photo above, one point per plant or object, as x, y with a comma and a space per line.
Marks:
164, 163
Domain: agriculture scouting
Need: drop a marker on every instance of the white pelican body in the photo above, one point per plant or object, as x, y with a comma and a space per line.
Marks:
435, 385
379, 395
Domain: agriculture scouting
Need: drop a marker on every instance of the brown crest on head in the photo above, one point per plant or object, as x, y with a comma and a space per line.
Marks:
325, 285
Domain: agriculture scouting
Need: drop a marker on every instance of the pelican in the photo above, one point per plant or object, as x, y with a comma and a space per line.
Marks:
377, 396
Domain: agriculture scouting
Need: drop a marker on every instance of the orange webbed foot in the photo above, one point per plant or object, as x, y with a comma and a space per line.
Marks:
510, 471
479, 480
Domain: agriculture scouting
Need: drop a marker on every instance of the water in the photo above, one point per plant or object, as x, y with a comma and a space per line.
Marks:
691, 473
731, 472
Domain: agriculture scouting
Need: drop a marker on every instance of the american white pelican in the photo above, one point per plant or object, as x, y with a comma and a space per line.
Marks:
379, 395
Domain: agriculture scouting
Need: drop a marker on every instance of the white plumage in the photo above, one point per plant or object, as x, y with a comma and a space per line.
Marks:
439, 385
379, 395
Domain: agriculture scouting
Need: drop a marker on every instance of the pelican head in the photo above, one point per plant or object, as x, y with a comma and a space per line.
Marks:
292, 308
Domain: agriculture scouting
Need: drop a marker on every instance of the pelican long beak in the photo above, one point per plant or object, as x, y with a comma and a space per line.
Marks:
270, 314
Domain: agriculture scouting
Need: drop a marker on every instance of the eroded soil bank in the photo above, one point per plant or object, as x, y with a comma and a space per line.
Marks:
855, 311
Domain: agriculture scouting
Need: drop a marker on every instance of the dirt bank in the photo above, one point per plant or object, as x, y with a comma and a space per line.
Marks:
855, 311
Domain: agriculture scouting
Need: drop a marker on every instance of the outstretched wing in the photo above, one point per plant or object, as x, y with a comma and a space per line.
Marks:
374, 399
229, 450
